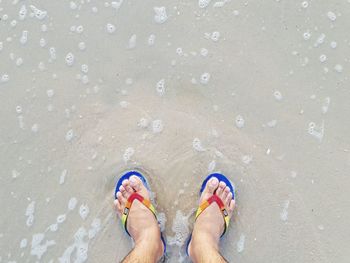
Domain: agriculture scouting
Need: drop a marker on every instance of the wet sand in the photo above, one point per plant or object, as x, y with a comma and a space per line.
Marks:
257, 91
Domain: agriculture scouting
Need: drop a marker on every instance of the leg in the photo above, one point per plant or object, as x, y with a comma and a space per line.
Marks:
142, 225
209, 226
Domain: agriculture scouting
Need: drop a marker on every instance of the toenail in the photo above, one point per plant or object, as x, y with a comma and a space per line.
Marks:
133, 180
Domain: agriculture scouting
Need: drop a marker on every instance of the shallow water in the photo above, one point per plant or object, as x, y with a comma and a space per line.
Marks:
256, 90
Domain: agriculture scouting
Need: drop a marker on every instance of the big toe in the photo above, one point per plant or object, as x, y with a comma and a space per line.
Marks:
138, 186
211, 186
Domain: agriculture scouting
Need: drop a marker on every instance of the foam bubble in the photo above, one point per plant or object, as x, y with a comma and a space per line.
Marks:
205, 77
128, 153
180, 228
239, 121
143, 123
22, 14
23, 243
247, 159
204, 52
211, 166
320, 40
69, 59
79, 29
69, 135
61, 218
203, 3
42, 42
4, 78
53, 227
305, 4
332, 16
160, 14
240, 243
19, 62
338, 68
325, 105
284, 213
160, 87
82, 46
84, 68
333, 44
197, 145
132, 42
116, 4
39, 14
157, 126
110, 28
278, 95
151, 40
24, 37
323, 58
307, 35
84, 211
72, 203
215, 36
73, 5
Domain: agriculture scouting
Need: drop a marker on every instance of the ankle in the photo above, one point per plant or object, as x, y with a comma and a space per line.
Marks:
151, 242
202, 243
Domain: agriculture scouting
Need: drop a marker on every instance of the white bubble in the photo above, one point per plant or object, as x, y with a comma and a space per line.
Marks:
132, 42
157, 126
215, 36
151, 40
13, 23
333, 44
82, 46
305, 4
63, 176
278, 95
240, 243
235, 12
338, 68
61, 218
23, 243
44, 28
50, 93
239, 121
69, 135
22, 14
307, 35
52, 51
69, 59
30, 209
284, 213
160, 87
19, 62
116, 4
247, 159
332, 16
53, 227
128, 153
325, 105
203, 3
73, 5
35, 128
110, 28
42, 42
84, 68
4, 78
204, 52
72, 203
179, 51
39, 14
320, 40
30, 220
197, 145
211, 166
323, 58
205, 77
124, 104
24, 37
18, 109
143, 123
79, 29
160, 14
84, 211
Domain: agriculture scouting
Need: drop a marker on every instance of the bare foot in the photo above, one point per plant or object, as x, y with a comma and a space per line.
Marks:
210, 224
141, 224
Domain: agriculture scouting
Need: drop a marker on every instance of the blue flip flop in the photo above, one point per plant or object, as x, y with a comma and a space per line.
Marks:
133, 197
214, 198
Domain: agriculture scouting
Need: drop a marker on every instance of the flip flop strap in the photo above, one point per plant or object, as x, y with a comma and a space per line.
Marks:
220, 203
135, 196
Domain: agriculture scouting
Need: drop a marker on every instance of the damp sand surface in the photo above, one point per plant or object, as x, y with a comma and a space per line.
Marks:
257, 90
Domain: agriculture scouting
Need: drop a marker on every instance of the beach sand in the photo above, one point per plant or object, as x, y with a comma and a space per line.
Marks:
257, 90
